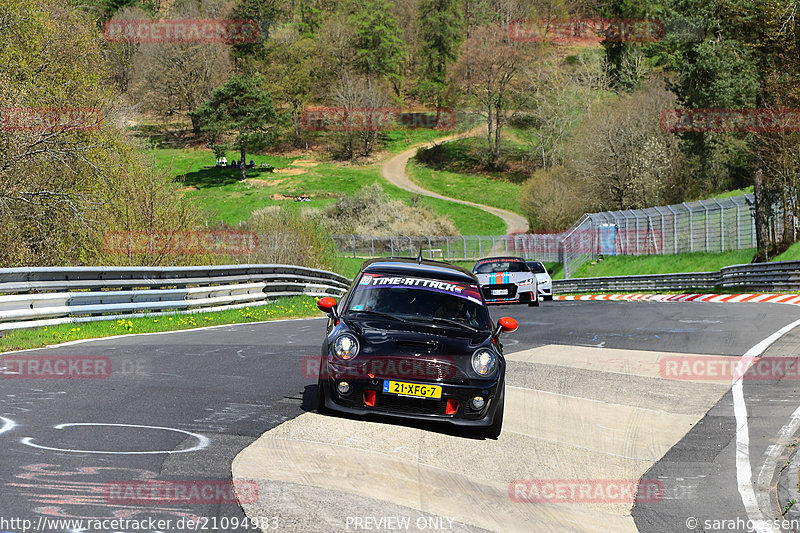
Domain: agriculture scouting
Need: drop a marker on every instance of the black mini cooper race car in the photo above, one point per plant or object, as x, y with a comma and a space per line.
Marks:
413, 339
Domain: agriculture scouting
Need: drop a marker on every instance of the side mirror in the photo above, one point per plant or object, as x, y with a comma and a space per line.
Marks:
505, 325
327, 305
550, 271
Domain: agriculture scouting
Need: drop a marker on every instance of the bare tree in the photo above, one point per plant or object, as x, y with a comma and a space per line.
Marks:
491, 65
622, 152
365, 109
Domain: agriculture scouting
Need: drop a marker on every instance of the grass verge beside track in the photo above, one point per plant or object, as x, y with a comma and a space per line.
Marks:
295, 307
631, 265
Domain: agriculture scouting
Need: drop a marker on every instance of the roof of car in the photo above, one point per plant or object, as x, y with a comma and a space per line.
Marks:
426, 268
504, 258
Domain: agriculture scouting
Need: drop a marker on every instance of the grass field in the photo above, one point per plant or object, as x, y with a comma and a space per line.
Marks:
470, 187
223, 198
35, 338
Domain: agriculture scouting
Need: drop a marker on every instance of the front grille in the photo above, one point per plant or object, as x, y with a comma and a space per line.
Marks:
510, 287
403, 404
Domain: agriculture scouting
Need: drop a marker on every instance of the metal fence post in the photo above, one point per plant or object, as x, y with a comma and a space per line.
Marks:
391, 245
447, 245
674, 229
661, 215
691, 228
721, 225
480, 249
705, 212
465, 246
738, 227
372, 245
354, 246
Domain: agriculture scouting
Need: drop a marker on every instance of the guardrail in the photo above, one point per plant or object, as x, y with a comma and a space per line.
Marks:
46, 296
762, 277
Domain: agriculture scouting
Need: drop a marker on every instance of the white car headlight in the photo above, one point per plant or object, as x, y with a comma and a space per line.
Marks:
345, 347
526, 282
484, 362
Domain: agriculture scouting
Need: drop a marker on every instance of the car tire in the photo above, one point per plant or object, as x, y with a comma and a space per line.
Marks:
321, 407
494, 430
534, 301
548, 298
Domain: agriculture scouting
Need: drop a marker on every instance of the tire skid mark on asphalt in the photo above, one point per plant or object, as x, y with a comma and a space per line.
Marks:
548, 435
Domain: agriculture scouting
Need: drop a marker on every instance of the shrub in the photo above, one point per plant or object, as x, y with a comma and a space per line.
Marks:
288, 236
372, 212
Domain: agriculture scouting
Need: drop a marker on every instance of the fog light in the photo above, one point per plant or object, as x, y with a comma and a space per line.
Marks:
343, 387
478, 402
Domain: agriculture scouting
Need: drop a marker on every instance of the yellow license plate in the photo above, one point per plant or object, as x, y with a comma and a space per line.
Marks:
412, 389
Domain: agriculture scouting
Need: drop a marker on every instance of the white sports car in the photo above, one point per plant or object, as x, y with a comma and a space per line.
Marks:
543, 278
507, 280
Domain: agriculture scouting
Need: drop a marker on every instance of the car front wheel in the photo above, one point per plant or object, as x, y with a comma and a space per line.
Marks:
494, 430
321, 408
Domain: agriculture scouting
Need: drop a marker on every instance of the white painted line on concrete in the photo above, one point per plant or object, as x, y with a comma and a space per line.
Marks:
744, 472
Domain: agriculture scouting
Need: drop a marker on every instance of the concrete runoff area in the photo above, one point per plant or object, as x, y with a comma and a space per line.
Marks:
556, 427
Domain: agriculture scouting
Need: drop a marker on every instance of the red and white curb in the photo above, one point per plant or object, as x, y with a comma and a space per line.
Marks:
712, 298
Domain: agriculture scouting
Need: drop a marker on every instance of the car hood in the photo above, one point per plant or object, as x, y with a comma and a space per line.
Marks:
395, 338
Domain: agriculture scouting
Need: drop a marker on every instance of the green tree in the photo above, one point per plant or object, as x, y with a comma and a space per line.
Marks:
241, 108
441, 24
381, 50
748, 59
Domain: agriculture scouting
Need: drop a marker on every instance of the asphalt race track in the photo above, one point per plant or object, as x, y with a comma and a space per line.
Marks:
587, 401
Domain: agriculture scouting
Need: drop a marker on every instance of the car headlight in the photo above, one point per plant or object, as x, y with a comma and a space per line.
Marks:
526, 282
345, 347
484, 362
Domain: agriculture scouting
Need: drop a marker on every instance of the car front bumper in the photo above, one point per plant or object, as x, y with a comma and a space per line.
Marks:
412, 407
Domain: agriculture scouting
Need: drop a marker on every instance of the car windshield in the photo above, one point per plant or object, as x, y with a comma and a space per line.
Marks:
501, 266
537, 267
420, 299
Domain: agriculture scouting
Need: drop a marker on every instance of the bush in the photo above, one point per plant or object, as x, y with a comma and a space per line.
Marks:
553, 199
372, 212
288, 236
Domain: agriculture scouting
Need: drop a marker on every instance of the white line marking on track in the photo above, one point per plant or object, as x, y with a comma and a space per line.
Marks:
8, 424
744, 472
202, 442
